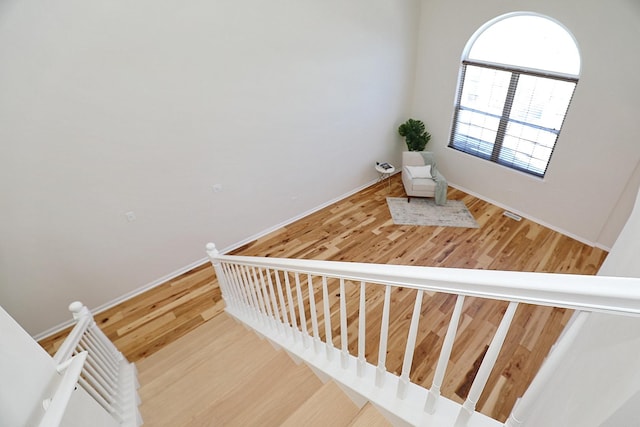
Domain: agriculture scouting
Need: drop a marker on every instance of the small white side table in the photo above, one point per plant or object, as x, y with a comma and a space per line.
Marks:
385, 173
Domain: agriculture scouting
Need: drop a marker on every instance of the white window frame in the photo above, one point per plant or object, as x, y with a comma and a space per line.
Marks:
490, 145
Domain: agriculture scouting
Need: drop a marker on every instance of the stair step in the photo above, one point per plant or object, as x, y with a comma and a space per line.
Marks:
369, 416
269, 397
329, 406
222, 374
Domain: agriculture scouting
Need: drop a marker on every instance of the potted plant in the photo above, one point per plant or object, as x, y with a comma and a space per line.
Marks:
415, 134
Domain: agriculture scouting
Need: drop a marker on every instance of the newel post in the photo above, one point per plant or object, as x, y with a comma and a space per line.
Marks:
79, 310
214, 254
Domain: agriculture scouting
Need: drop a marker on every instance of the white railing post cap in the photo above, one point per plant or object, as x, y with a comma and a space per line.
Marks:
211, 249
79, 310
76, 307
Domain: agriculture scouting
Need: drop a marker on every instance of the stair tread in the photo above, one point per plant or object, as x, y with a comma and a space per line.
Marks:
328, 406
236, 363
188, 348
268, 398
369, 416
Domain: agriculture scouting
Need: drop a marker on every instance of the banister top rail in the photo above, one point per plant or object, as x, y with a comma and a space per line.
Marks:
84, 318
614, 295
55, 407
68, 346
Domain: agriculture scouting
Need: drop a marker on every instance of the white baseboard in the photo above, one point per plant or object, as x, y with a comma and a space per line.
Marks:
176, 273
262, 233
53, 330
294, 219
531, 218
120, 299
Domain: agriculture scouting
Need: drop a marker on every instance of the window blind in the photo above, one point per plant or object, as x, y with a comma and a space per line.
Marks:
509, 115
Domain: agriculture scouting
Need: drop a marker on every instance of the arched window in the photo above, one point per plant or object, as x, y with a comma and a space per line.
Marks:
517, 78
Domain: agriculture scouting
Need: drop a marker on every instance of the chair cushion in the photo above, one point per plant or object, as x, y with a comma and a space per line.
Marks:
419, 171
423, 184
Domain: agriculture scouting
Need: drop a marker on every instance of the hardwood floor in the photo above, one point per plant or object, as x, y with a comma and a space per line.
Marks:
360, 228
146, 323
249, 383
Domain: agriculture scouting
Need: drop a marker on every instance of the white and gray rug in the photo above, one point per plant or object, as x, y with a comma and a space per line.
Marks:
425, 212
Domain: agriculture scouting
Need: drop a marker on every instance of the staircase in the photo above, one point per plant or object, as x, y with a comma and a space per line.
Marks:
321, 313
248, 383
87, 382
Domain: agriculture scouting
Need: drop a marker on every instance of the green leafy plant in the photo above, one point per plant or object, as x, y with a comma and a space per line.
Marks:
415, 134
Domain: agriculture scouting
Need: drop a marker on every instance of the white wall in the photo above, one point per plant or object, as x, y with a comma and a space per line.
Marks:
590, 185
599, 379
626, 415
110, 107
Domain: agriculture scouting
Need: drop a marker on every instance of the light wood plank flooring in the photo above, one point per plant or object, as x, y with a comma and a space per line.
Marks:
146, 323
360, 229
236, 379
194, 386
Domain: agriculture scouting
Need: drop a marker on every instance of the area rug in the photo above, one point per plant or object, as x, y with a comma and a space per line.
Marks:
425, 212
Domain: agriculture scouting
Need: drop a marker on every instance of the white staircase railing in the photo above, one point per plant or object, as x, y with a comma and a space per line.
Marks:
99, 368
56, 406
273, 296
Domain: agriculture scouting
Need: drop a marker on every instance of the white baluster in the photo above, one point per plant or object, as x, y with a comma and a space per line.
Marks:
274, 301
90, 373
253, 279
445, 354
327, 318
344, 355
243, 300
252, 291
488, 362
283, 305
303, 317
242, 303
107, 360
314, 315
93, 365
410, 347
91, 379
267, 297
103, 343
248, 298
89, 388
232, 298
292, 309
384, 332
362, 330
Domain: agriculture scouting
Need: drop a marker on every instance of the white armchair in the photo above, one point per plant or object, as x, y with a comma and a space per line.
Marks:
421, 178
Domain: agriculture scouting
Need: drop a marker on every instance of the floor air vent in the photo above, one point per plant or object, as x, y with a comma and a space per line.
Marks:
512, 215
